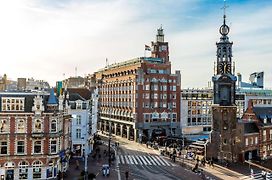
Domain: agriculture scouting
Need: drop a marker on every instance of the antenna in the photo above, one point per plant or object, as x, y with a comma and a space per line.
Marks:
75, 71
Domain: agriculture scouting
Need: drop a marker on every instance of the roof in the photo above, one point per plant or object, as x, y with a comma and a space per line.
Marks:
263, 113
75, 97
84, 93
52, 98
250, 127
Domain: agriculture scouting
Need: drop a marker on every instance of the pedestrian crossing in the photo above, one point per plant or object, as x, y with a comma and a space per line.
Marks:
258, 176
147, 160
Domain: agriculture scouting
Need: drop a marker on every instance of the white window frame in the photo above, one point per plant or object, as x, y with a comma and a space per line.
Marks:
40, 145
78, 119
51, 145
23, 169
78, 133
7, 147
17, 145
54, 121
18, 124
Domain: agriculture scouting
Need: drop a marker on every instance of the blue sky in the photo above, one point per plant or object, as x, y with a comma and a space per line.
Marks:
45, 39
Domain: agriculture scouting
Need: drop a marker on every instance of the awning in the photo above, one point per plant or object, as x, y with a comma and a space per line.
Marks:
194, 146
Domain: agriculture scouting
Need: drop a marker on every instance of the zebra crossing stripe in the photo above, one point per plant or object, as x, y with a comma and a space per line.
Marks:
147, 160
133, 158
151, 160
145, 163
159, 159
155, 160
128, 162
130, 159
117, 160
165, 162
122, 159
139, 160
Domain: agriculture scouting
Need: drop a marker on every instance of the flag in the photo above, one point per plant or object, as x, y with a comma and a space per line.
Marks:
147, 48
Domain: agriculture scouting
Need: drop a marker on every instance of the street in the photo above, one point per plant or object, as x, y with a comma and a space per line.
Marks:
144, 163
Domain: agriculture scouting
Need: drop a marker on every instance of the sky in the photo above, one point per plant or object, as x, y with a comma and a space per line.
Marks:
49, 39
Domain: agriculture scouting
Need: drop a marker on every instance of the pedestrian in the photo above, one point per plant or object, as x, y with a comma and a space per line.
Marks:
77, 164
147, 144
212, 162
126, 174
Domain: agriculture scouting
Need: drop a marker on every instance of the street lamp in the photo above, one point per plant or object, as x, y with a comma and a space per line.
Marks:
171, 118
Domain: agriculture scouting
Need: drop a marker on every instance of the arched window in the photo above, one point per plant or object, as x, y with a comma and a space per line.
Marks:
3, 126
53, 126
23, 169
38, 125
50, 169
37, 147
37, 169
21, 127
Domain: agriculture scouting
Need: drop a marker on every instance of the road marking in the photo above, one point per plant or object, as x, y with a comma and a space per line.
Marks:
139, 160
117, 160
159, 159
147, 160
143, 160
165, 162
130, 160
151, 160
155, 160
127, 159
122, 159
133, 158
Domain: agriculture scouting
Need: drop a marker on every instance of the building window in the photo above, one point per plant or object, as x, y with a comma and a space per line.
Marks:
146, 87
38, 125
50, 169
78, 120
246, 141
37, 170
3, 126
12, 104
174, 88
37, 147
78, 133
264, 135
21, 127
23, 170
53, 146
256, 140
3, 147
53, 126
270, 134
20, 147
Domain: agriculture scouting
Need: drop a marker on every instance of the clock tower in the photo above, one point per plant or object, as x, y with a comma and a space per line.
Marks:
222, 145
224, 79
160, 49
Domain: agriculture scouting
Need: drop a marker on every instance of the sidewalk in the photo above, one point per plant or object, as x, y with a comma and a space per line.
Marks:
94, 166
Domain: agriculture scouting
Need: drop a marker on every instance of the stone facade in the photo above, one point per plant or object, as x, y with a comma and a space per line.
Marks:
34, 136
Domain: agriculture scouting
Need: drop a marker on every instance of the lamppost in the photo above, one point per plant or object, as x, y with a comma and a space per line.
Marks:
109, 143
171, 118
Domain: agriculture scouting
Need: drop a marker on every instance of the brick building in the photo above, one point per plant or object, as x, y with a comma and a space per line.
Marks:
255, 132
140, 98
34, 135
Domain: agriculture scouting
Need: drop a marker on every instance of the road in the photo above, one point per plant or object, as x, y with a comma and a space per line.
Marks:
145, 164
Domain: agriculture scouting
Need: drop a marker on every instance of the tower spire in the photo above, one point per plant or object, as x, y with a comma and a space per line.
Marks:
224, 9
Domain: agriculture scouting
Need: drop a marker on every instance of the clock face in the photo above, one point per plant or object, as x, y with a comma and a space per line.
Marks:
224, 30
224, 67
